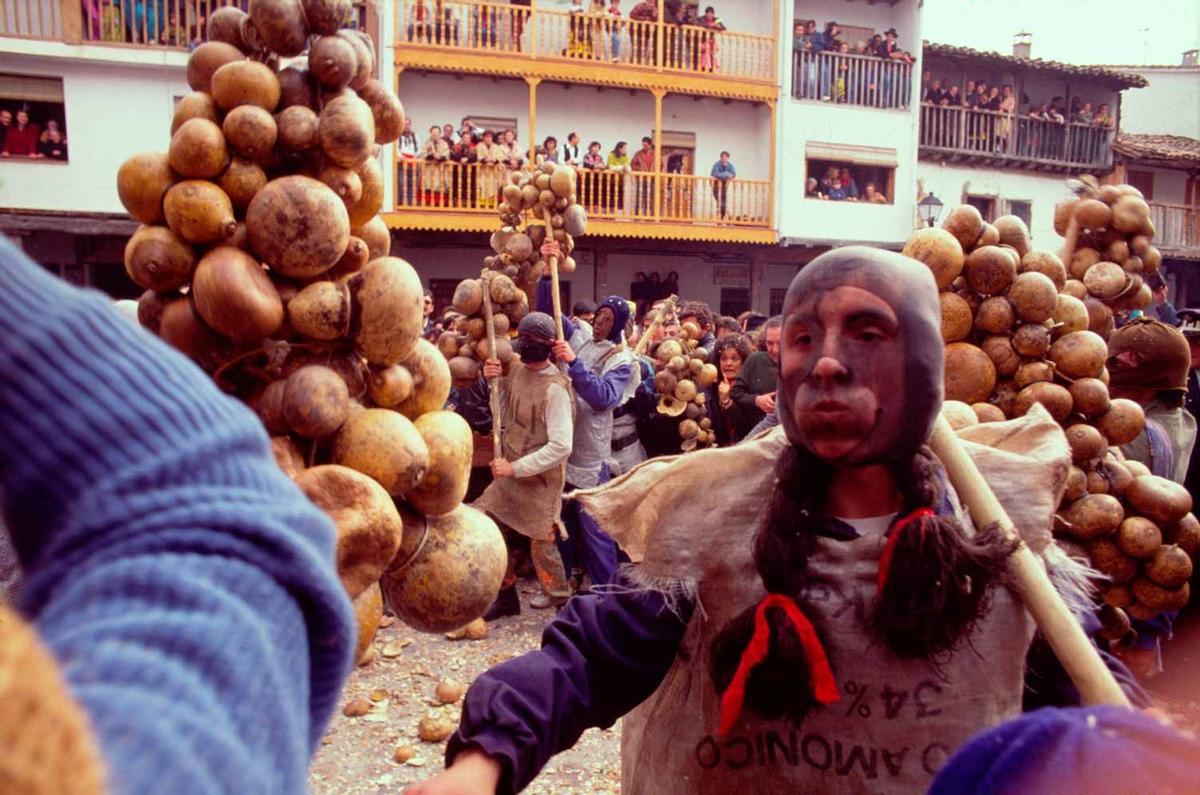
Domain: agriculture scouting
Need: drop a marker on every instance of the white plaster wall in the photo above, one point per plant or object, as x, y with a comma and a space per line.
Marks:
1170, 105
1170, 185
742, 128
435, 98
878, 16
952, 184
801, 121
113, 111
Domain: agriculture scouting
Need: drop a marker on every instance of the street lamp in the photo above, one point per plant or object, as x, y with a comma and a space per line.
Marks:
930, 208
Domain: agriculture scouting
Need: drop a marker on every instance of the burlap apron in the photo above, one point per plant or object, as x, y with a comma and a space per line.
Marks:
531, 505
690, 521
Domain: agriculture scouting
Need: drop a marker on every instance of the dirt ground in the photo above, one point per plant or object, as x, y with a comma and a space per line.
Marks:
356, 756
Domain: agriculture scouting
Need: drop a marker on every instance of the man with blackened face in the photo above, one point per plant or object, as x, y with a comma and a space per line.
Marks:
810, 612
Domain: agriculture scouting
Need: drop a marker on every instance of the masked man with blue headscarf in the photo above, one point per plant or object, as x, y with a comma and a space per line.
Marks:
602, 371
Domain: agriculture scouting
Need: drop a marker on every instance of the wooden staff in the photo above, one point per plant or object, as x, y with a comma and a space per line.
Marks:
655, 325
556, 298
1078, 656
494, 383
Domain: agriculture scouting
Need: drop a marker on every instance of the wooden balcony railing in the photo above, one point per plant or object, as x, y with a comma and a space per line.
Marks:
430, 186
158, 24
849, 79
550, 34
1176, 225
1003, 136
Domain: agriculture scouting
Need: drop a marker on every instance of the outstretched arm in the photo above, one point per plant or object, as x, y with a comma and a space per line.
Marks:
600, 657
184, 585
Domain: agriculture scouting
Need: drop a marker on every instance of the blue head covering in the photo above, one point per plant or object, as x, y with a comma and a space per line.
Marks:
1097, 750
620, 310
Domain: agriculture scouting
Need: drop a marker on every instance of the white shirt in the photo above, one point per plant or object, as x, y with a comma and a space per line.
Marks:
408, 144
559, 432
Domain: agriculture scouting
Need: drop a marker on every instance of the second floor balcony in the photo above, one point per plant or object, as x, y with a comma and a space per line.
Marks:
586, 46
998, 139
1177, 227
852, 79
454, 196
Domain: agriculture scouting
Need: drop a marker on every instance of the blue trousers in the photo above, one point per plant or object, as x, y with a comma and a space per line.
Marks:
587, 546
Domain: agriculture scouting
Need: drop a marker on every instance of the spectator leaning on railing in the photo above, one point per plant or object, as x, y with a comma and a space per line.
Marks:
722, 172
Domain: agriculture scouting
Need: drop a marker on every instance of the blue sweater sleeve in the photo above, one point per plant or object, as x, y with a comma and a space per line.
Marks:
601, 392
600, 657
184, 584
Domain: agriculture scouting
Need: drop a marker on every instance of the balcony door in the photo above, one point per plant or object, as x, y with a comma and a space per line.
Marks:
679, 165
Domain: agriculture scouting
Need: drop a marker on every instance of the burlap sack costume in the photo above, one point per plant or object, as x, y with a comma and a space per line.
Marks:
531, 505
690, 523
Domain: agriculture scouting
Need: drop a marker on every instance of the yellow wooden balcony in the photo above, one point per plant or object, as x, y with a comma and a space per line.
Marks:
456, 197
496, 38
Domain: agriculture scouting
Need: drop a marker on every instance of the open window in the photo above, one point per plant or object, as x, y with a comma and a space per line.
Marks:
33, 119
1022, 208
839, 172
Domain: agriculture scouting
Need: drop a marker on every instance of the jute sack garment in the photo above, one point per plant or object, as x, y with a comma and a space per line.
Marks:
691, 521
531, 506
46, 742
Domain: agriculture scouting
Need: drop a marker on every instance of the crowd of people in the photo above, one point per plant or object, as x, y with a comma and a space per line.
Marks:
165, 23
141, 568
469, 168
596, 30
21, 136
1041, 127
840, 184
830, 78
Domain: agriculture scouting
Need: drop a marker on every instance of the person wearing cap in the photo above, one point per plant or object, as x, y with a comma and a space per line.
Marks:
583, 310
1149, 363
1189, 320
537, 422
1164, 310
603, 376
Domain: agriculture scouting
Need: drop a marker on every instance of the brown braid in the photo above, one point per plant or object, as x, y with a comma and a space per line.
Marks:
931, 601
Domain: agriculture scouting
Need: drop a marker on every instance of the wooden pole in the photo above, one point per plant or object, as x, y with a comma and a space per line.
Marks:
1078, 656
494, 383
555, 296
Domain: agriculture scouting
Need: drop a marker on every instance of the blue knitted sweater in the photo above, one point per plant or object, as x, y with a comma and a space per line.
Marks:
184, 584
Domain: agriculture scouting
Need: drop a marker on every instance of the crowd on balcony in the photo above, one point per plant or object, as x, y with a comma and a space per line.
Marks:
469, 168
596, 30
994, 114
834, 70
23, 136
164, 23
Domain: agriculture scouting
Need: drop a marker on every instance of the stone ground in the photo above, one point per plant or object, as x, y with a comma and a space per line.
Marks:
356, 756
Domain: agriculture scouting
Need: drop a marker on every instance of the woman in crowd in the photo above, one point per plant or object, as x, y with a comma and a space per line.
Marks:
712, 24
21, 139
464, 156
618, 166
1008, 106
872, 195
729, 423
436, 153
511, 156
488, 154
52, 146
549, 151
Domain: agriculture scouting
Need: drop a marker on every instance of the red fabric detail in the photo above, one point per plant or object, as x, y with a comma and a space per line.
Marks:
825, 689
885, 559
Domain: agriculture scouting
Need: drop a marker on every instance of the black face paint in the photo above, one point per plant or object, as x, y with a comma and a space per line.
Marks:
861, 363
